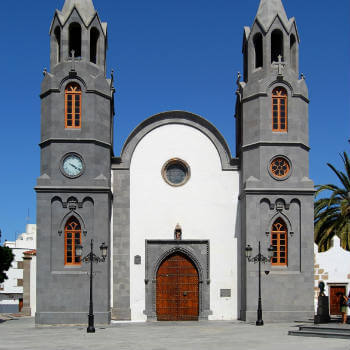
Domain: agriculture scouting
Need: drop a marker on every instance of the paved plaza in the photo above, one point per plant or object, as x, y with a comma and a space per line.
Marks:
21, 333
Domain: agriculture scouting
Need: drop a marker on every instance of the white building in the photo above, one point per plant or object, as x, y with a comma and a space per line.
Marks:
11, 290
333, 268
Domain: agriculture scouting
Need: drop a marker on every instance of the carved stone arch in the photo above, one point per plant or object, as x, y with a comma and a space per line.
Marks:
68, 79
183, 251
182, 118
157, 251
57, 199
72, 199
280, 82
88, 199
281, 204
295, 200
280, 216
68, 216
268, 202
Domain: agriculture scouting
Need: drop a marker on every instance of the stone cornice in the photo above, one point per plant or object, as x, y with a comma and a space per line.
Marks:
278, 191
275, 143
75, 140
70, 189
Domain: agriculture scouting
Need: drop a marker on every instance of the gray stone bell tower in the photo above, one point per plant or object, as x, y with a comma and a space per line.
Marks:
74, 187
273, 146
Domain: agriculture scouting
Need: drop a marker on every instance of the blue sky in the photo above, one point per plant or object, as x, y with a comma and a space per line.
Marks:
166, 55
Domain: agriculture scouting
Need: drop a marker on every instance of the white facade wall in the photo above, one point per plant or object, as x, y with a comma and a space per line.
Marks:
205, 207
11, 293
332, 267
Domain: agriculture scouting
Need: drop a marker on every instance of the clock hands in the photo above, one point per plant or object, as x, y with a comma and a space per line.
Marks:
74, 166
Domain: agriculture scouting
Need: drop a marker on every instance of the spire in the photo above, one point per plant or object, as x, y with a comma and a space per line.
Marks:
85, 8
268, 10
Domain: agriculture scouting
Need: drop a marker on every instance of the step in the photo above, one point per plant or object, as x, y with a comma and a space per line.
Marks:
325, 329
319, 334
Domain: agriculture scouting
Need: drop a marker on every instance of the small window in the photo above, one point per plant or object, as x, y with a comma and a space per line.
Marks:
75, 40
279, 168
258, 47
279, 240
279, 110
58, 43
72, 237
73, 106
94, 36
276, 45
176, 172
20, 265
20, 282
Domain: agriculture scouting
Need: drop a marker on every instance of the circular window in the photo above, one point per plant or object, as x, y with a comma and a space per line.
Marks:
176, 172
279, 168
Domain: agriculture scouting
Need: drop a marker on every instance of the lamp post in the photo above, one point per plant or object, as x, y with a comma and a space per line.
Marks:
91, 258
259, 259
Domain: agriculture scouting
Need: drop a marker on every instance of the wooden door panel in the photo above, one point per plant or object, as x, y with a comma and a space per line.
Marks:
334, 296
177, 290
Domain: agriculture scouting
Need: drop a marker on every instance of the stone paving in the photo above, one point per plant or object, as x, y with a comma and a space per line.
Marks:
21, 333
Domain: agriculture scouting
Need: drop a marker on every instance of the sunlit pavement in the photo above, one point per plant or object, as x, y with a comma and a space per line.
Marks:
21, 333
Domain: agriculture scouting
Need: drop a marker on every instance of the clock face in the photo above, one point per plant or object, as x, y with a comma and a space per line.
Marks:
72, 166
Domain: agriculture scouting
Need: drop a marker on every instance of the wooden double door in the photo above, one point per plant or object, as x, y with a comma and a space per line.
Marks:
334, 299
177, 292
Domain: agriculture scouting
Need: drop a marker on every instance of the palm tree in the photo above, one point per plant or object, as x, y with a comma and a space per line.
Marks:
332, 214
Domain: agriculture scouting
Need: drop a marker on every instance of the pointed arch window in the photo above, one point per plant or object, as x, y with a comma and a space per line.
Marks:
73, 106
57, 33
279, 109
293, 52
72, 237
276, 45
258, 48
75, 39
279, 240
94, 41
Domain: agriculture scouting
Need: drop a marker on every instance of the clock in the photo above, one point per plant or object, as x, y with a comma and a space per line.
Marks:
72, 165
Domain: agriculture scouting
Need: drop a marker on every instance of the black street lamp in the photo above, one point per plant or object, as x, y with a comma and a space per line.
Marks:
259, 259
91, 258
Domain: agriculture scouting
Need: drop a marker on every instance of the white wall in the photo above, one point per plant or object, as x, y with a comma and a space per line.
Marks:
11, 293
332, 267
205, 207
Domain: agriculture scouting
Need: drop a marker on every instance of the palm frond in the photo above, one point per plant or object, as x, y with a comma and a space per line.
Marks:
332, 213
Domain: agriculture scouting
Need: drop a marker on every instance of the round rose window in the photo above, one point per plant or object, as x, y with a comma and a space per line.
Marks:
176, 172
279, 167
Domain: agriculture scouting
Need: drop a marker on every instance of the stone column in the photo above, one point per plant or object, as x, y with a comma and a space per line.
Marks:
27, 258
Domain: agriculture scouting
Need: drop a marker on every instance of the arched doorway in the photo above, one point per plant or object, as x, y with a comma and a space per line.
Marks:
177, 297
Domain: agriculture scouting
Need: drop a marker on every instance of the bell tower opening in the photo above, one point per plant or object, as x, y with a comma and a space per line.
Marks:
75, 39
58, 43
258, 48
94, 40
276, 45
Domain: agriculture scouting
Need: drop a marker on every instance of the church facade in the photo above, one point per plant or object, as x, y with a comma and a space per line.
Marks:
175, 209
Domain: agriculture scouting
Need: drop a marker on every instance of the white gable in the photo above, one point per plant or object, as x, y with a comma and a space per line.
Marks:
205, 207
